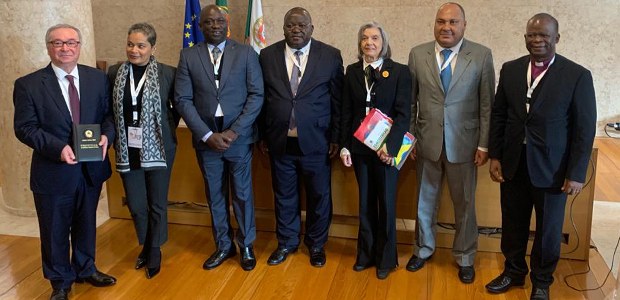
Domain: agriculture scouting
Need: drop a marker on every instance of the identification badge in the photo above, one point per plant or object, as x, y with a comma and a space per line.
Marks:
134, 137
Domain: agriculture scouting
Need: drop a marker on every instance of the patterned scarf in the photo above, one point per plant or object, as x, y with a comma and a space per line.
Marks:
152, 154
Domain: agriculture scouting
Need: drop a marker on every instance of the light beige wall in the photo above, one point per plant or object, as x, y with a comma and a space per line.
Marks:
586, 28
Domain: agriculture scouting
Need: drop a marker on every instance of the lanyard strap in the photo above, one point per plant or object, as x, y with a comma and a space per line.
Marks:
531, 86
135, 91
445, 63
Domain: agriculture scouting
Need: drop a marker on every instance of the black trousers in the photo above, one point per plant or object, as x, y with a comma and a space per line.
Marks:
376, 238
288, 171
67, 224
518, 197
147, 199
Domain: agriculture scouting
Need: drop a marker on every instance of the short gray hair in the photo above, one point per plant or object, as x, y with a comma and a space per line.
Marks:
386, 51
59, 26
145, 28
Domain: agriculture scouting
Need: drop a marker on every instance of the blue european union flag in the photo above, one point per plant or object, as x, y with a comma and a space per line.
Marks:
191, 29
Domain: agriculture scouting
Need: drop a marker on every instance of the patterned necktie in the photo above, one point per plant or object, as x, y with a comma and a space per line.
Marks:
216, 54
74, 101
446, 73
296, 73
295, 76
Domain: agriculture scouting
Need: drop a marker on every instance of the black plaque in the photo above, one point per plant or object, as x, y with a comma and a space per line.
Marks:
86, 139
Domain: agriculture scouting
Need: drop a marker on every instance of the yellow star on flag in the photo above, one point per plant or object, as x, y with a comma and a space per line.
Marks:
188, 26
187, 35
191, 44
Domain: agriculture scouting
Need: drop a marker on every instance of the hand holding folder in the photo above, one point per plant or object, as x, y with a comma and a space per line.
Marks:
374, 131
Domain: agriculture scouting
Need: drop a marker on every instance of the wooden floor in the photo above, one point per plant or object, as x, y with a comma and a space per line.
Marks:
182, 276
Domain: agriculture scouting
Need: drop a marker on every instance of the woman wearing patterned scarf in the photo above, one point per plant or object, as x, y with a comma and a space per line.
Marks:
145, 121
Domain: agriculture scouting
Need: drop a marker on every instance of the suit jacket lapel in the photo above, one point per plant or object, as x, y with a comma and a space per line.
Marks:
431, 64
521, 82
86, 97
314, 59
358, 74
280, 65
381, 76
205, 59
230, 52
50, 82
550, 76
462, 62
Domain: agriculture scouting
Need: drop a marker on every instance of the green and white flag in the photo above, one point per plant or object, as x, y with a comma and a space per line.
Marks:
254, 26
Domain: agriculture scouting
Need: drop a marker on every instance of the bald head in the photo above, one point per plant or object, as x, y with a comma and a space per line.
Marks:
541, 35
546, 17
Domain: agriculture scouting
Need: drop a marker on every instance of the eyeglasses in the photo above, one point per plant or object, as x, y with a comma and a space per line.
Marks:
69, 43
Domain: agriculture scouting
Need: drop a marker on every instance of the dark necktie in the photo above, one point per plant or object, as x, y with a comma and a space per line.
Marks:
368, 73
295, 75
446, 73
74, 101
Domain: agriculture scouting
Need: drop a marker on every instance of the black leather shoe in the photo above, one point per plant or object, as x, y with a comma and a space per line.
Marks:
539, 294
467, 274
359, 267
60, 294
140, 262
218, 257
415, 263
383, 273
151, 272
317, 257
248, 260
279, 255
502, 283
98, 279
154, 263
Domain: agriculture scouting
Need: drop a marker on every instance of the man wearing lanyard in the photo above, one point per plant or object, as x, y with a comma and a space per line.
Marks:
453, 85
542, 129
219, 94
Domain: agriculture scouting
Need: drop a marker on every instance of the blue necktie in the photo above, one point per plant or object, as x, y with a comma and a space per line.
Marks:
446, 73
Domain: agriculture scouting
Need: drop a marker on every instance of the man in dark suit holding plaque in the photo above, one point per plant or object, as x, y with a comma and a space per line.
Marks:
49, 103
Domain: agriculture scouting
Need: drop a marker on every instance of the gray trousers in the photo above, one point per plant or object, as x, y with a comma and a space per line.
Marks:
461, 179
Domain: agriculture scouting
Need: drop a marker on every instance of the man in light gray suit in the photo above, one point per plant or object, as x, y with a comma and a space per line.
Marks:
219, 94
453, 84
